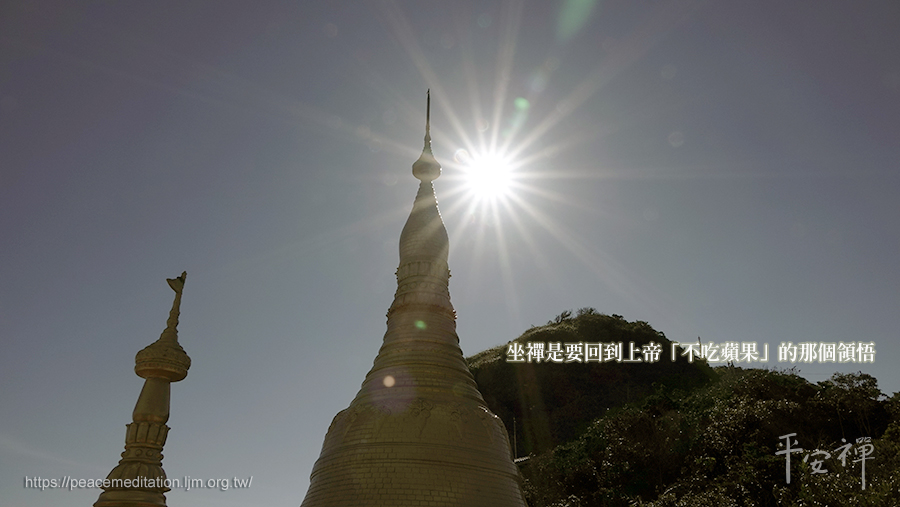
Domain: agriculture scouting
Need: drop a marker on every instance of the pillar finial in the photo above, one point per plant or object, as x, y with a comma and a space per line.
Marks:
177, 284
428, 122
139, 479
427, 168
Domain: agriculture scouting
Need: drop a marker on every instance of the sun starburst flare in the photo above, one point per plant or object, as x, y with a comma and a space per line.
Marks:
488, 177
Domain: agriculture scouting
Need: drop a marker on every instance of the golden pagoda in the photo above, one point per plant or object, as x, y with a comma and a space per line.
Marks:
418, 432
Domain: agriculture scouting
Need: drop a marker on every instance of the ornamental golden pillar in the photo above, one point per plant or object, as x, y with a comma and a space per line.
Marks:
139, 479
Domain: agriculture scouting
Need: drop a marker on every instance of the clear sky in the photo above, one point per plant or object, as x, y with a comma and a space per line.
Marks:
727, 170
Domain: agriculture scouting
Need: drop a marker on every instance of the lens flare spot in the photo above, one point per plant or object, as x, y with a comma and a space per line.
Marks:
539, 80
522, 104
420, 324
676, 139
389, 381
573, 16
461, 156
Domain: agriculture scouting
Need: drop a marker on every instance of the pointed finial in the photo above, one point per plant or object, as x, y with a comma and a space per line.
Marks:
139, 478
428, 122
177, 284
165, 358
427, 168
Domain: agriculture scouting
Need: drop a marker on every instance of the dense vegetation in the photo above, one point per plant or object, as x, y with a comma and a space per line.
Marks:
546, 404
684, 434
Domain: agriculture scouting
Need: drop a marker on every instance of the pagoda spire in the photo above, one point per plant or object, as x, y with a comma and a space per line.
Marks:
428, 122
427, 169
139, 479
418, 431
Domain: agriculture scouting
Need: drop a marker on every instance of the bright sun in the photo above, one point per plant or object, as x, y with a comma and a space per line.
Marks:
488, 177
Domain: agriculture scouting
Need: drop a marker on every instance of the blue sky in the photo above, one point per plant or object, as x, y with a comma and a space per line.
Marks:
717, 170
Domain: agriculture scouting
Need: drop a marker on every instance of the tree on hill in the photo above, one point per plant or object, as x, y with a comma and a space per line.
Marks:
552, 403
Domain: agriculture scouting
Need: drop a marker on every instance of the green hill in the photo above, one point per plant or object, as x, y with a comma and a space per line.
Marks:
672, 434
553, 403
